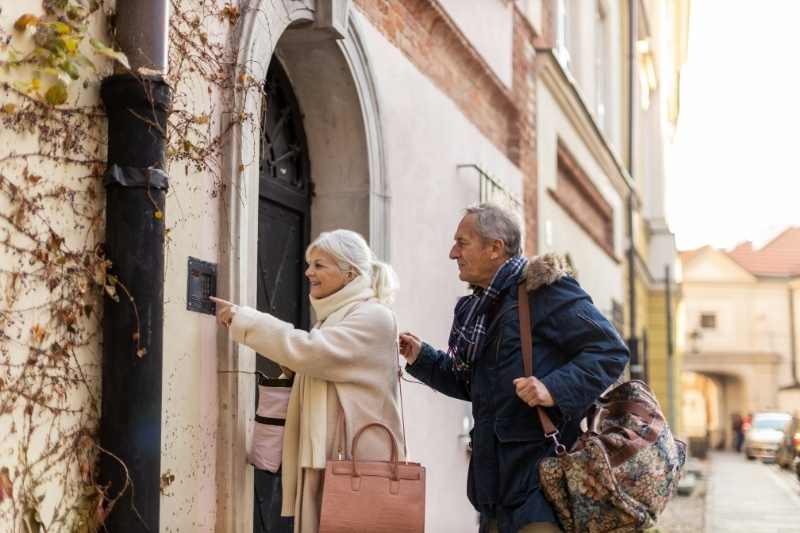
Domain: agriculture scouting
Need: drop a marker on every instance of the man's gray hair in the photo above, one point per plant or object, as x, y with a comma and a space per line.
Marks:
497, 223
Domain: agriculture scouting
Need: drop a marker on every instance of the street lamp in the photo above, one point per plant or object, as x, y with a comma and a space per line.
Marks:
695, 336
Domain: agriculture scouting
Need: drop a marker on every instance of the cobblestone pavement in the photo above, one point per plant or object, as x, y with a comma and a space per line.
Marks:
686, 514
749, 496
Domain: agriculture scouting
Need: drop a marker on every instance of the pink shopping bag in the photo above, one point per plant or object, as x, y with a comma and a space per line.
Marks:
267, 445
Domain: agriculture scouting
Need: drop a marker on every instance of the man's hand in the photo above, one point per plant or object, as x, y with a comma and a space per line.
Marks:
410, 345
225, 311
533, 392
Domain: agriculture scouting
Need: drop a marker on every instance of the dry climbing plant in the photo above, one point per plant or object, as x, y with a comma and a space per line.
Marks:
53, 271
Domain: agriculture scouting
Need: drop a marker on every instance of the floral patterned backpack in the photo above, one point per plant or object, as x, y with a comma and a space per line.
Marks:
621, 473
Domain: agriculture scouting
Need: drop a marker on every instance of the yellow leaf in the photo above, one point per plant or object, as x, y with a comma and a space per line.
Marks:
61, 28
24, 21
71, 69
36, 84
110, 53
9, 108
38, 333
71, 44
112, 292
158, 215
57, 94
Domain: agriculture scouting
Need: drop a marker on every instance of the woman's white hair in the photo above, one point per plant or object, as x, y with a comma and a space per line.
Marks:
352, 254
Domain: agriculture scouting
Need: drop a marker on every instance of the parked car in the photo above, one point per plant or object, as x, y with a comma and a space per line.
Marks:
789, 448
765, 435
797, 467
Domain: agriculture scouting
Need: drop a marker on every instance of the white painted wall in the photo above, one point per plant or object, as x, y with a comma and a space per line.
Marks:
749, 317
533, 10
191, 399
426, 136
41, 449
600, 275
489, 28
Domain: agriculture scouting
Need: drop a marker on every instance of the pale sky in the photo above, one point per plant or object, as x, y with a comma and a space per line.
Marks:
734, 171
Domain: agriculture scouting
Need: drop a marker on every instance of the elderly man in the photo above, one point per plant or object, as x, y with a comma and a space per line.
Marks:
577, 355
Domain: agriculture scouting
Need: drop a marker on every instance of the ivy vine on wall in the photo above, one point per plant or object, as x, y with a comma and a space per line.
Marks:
53, 269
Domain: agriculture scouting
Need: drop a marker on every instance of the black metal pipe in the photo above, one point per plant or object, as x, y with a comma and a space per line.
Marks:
632, 31
141, 32
670, 349
633, 340
793, 339
136, 185
130, 422
637, 370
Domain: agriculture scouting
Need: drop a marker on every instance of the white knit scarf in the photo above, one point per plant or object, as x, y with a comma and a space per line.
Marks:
309, 398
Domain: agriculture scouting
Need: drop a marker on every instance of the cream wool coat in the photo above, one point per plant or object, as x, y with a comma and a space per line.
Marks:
350, 358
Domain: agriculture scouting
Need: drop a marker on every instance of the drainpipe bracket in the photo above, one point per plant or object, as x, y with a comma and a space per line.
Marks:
136, 178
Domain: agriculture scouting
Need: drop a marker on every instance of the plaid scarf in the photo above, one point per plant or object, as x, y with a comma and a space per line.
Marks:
469, 323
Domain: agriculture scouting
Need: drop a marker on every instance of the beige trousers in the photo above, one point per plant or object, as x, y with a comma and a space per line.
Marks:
536, 527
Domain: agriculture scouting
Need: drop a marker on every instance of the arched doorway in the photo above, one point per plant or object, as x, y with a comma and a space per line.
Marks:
336, 108
710, 401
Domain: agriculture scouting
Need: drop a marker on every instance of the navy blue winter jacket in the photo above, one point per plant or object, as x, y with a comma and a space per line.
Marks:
577, 354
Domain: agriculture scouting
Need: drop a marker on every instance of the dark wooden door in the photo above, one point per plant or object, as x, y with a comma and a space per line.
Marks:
284, 221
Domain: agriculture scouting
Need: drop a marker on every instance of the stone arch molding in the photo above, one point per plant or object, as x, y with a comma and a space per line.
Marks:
264, 22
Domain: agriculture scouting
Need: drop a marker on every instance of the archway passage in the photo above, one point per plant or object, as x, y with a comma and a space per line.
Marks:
284, 223
711, 401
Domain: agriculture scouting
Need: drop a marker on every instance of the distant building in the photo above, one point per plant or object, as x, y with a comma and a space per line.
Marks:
740, 331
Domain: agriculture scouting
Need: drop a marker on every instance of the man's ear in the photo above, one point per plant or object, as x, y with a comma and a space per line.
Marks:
498, 249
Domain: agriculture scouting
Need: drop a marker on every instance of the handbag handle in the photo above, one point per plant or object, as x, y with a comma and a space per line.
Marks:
525, 326
393, 457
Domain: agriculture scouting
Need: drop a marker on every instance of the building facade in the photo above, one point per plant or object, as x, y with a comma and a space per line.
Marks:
741, 330
293, 117
607, 107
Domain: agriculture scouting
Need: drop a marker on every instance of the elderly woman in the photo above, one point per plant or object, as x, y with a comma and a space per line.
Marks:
346, 366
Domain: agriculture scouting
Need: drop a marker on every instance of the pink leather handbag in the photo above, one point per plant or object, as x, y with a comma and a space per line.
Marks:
373, 496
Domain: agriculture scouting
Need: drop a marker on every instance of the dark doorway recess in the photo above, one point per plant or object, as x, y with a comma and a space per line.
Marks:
284, 224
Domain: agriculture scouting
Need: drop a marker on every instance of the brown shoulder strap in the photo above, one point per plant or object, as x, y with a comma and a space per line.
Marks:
527, 356
525, 329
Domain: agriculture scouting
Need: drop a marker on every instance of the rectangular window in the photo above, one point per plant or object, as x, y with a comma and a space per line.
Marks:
562, 34
601, 67
708, 320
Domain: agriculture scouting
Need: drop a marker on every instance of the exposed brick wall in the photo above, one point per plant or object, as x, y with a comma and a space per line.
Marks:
437, 47
523, 139
432, 42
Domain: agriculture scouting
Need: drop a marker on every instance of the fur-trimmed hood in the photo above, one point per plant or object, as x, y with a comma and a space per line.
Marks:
545, 269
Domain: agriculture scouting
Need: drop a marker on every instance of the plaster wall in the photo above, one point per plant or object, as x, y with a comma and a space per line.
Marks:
426, 137
600, 274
